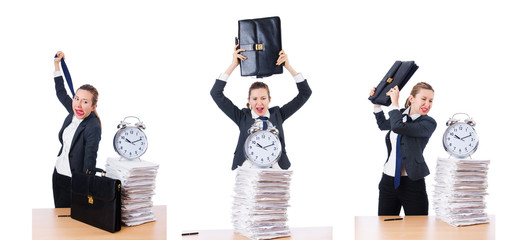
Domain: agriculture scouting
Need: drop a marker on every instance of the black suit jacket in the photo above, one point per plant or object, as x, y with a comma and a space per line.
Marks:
85, 142
415, 136
243, 118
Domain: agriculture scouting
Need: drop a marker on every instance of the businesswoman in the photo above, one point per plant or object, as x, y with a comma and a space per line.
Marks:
79, 135
410, 128
258, 106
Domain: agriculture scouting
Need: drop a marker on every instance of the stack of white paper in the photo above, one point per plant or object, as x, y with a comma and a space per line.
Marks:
138, 180
260, 203
460, 190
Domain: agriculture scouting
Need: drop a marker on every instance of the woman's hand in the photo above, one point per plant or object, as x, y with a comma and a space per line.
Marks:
235, 61
57, 60
393, 93
237, 55
283, 59
373, 93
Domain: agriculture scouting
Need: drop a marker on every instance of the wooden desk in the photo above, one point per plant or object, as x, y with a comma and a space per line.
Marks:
312, 233
46, 225
419, 227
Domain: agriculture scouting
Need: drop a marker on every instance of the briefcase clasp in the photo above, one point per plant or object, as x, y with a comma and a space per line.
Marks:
90, 199
258, 47
389, 80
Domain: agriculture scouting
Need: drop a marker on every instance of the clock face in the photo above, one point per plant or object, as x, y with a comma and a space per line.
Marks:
263, 148
460, 139
130, 142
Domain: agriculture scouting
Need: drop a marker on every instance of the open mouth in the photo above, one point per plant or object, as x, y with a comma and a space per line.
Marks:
79, 112
259, 109
425, 110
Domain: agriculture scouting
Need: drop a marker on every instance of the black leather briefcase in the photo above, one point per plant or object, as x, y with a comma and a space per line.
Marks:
261, 38
96, 200
398, 75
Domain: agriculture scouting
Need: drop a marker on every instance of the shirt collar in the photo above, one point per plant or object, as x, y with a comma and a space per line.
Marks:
413, 117
76, 121
254, 115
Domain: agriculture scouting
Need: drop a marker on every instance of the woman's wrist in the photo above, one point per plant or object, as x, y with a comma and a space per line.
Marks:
230, 68
291, 70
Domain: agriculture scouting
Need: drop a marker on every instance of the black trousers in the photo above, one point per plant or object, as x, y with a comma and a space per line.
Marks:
62, 190
410, 194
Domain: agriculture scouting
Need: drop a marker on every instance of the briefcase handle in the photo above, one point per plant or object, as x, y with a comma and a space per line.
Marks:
96, 170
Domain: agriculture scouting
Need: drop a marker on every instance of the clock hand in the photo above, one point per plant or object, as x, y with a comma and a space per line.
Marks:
126, 139
137, 140
459, 138
259, 145
269, 145
466, 136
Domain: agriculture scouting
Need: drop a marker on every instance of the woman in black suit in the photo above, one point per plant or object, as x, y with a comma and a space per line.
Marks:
79, 135
410, 128
257, 106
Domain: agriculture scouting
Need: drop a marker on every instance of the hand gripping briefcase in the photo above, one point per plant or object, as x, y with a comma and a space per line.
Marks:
398, 75
96, 200
261, 38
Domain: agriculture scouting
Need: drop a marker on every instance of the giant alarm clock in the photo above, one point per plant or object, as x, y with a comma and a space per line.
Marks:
460, 138
130, 141
263, 147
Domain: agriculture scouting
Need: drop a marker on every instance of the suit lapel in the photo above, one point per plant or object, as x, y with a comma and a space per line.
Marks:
81, 128
67, 122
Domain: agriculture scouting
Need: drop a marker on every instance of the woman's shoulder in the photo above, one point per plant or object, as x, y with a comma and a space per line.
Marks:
92, 121
428, 119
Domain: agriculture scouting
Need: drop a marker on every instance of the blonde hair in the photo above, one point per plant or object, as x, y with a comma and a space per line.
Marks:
416, 89
95, 97
257, 85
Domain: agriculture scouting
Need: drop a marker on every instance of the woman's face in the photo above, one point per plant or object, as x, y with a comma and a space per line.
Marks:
421, 103
82, 104
259, 101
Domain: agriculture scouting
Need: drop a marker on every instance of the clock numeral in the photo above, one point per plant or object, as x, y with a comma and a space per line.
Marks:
122, 137
253, 142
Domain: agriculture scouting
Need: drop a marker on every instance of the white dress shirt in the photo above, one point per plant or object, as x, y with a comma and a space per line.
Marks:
63, 162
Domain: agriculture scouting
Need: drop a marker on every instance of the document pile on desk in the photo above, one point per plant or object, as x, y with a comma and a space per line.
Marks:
260, 203
460, 190
138, 180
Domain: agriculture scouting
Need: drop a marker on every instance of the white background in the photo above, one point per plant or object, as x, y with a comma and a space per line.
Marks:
158, 60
